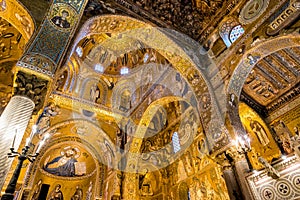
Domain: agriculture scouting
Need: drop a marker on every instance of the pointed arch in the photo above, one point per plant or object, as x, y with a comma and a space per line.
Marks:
178, 49
245, 66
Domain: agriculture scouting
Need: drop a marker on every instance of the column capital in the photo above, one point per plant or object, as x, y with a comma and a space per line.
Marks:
31, 86
223, 161
236, 154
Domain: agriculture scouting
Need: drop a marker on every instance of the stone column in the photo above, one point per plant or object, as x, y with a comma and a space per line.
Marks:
232, 185
117, 177
15, 117
241, 167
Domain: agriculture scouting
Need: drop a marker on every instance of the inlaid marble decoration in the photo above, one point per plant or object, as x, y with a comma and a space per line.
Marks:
287, 186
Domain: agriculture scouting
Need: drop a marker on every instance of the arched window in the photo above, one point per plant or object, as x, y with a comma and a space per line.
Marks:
176, 144
99, 68
236, 32
230, 30
124, 70
146, 57
79, 51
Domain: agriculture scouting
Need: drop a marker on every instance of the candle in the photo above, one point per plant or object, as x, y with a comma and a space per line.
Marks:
27, 142
42, 143
34, 127
13, 143
242, 142
33, 131
40, 146
46, 136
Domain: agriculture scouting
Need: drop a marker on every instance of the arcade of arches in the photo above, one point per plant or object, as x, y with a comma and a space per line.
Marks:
160, 100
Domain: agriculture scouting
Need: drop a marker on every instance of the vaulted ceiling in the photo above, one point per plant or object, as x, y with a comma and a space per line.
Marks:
267, 84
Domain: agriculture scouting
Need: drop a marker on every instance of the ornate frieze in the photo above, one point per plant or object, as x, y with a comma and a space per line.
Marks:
250, 102
285, 18
286, 98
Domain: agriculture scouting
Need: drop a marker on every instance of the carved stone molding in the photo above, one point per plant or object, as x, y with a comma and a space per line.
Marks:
284, 99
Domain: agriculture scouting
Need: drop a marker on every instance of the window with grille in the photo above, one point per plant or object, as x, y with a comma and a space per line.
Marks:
236, 32
176, 144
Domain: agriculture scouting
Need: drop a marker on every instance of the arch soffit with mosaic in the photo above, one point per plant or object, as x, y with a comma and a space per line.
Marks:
244, 67
151, 36
17, 15
135, 146
72, 66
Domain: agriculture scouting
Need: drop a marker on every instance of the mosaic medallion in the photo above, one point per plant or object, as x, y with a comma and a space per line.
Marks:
283, 189
252, 10
296, 182
267, 193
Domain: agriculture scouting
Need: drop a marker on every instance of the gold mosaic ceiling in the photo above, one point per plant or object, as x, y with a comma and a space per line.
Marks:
269, 80
108, 55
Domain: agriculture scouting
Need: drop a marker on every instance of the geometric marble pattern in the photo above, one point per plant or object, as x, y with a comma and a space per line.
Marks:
286, 187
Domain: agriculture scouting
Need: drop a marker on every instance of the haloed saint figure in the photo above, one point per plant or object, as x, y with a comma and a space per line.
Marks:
56, 193
61, 21
2, 5
63, 165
